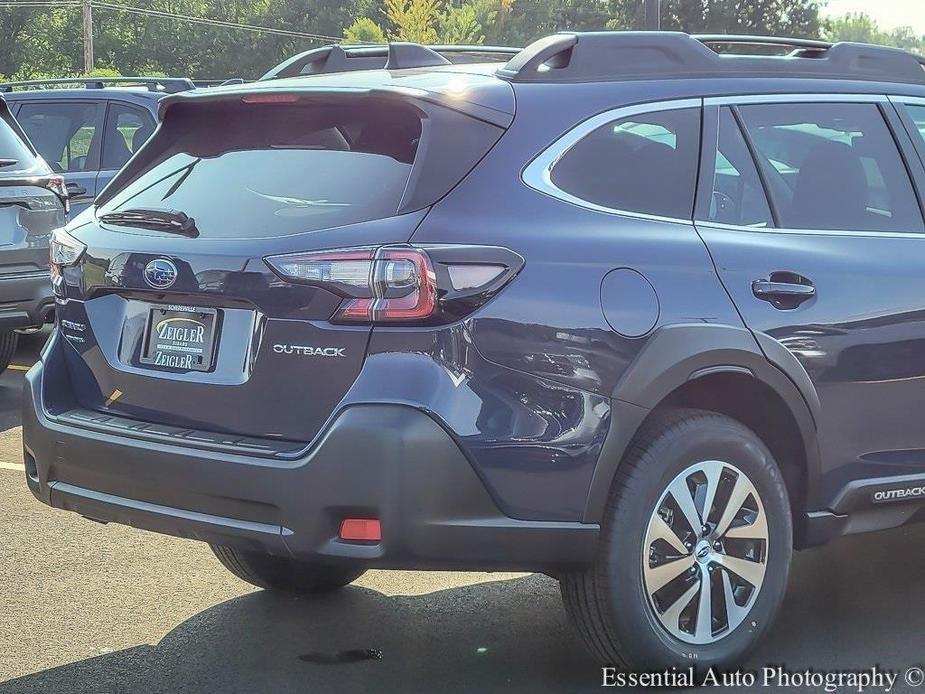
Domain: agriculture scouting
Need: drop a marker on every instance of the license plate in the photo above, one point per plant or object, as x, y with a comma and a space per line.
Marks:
180, 338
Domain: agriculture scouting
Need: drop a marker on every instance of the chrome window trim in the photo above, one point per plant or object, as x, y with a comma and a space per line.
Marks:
745, 99
537, 174
812, 232
913, 100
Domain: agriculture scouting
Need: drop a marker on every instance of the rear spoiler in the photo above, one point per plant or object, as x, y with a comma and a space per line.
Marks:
484, 104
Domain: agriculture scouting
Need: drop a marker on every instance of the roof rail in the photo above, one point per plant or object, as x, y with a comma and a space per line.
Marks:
341, 58
612, 55
168, 85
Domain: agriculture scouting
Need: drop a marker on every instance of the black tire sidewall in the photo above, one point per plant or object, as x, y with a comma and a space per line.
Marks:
645, 643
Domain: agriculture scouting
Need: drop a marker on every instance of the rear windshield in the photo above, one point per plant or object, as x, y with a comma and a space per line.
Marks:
15, 155
258, 170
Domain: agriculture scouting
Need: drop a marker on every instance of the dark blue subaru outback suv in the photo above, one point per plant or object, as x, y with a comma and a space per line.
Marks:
631, 309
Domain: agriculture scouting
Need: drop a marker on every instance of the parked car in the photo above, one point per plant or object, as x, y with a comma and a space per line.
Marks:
589, 313
32, 203
87, 128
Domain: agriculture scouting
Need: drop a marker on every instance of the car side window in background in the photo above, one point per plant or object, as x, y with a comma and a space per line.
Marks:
127, 129
833, 166
645, 163
738, 196
65, 134
917, 113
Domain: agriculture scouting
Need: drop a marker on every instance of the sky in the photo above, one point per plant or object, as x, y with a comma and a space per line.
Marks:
888, 13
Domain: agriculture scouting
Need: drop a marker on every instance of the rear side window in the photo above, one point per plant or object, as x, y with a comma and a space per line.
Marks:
127, 128
275, 170
14, 153
644, 163
738, 196
833, 166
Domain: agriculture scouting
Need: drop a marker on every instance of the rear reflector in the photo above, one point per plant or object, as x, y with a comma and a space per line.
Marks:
360, 530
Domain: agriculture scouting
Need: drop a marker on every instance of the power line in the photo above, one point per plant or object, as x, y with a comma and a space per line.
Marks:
69, 4
39, 3
212, 22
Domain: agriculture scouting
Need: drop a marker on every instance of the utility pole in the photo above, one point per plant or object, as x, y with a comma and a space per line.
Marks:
88, 36
653, 20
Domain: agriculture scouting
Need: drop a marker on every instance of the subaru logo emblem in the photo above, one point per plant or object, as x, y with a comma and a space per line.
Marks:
160, 273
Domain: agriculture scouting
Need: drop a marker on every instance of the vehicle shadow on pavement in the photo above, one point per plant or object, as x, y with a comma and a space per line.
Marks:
510, 635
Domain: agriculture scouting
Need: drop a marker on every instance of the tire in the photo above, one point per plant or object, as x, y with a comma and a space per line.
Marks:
8, 342
619, 610
284, 574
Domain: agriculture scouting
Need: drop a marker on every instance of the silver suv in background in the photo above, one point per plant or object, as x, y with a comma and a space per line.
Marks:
33, 201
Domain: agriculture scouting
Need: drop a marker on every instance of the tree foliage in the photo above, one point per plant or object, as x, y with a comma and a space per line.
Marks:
47, 41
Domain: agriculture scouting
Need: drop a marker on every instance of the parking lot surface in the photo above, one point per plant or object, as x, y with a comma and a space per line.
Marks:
92, 608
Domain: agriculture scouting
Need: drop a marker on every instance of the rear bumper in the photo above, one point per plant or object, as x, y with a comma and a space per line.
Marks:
26, 300
386, 461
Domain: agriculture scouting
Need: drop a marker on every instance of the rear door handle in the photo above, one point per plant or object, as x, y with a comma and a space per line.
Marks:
788, 291
75, 189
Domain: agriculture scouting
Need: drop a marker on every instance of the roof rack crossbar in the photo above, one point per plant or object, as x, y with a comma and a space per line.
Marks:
168, 85
611, 55
350, 57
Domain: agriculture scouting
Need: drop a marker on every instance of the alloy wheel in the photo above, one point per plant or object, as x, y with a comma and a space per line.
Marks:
705, 552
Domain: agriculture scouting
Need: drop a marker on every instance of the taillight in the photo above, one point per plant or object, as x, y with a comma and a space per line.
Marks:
63, 250
402, 284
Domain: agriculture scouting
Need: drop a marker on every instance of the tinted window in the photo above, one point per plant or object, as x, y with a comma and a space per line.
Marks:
833, 166
14, 154
274, 170
738, 197
127, 128
64, 134
918, 117
645, 163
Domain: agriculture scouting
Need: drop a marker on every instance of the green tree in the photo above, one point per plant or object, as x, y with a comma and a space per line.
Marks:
413, 20
460, 25
364, 30
798, 18
856, 26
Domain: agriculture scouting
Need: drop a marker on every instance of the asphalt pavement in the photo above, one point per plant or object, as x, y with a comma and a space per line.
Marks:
92, 608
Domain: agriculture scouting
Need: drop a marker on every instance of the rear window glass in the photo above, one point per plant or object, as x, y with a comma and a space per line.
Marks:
14, 153
249, 170
645, 163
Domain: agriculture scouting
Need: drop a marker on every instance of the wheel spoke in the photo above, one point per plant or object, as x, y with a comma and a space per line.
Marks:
758, 530
660, 576
713, 471
704, 630
751, 571
660, 530
740, 491
734, 613
682, 497
672, 615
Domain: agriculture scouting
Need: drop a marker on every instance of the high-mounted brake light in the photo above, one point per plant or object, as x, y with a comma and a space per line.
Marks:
403, 284
270, 98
